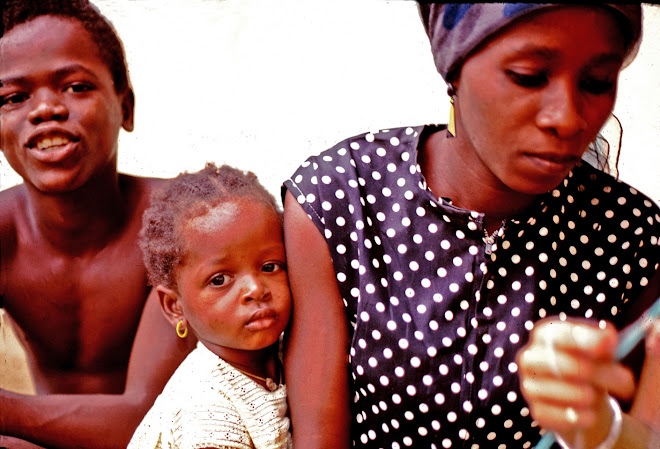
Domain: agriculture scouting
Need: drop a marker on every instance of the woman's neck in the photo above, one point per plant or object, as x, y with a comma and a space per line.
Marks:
450, 173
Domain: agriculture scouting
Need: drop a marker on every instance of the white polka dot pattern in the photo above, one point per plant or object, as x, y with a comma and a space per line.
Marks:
436, 322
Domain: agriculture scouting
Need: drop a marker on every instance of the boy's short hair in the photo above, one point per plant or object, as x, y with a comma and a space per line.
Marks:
111, 51
187, 196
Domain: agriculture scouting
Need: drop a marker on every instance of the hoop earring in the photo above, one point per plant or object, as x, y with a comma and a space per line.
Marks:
451, 126
181, 334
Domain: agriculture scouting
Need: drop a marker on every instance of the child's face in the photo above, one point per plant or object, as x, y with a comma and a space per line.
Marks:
233, 285
60, 115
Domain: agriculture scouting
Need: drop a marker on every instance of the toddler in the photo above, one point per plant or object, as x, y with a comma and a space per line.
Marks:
212, 244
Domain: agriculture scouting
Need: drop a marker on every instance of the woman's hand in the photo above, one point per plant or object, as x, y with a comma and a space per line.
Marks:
647, 405
567, 370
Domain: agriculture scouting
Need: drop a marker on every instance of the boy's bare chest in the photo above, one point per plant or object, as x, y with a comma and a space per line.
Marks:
79, 315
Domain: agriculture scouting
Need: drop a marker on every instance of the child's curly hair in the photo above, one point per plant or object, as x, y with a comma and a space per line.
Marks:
187, 196
17, 12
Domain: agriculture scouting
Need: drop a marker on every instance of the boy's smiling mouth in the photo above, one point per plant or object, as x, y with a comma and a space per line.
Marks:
52, 146
52, 138
47, 143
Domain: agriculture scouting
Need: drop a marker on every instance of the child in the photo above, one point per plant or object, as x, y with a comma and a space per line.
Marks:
71, 273
212, 244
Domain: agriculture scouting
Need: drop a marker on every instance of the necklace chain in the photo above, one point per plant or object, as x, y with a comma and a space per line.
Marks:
489, 240
270, 383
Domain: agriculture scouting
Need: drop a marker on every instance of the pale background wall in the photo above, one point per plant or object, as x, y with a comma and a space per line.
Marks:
262, 84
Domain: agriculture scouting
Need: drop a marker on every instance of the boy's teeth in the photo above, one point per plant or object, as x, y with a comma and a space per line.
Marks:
54, 142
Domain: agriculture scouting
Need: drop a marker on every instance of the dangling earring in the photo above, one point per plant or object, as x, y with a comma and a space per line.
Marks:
451, 126
181, 334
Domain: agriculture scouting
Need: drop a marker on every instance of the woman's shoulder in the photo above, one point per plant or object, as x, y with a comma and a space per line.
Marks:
603, 191
366, 148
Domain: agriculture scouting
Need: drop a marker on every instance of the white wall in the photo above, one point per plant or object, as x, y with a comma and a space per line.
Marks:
262, 84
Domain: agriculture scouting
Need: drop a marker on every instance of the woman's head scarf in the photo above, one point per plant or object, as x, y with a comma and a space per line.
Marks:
457, 29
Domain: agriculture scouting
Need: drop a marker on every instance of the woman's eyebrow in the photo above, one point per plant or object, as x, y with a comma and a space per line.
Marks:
534, 50
531, 50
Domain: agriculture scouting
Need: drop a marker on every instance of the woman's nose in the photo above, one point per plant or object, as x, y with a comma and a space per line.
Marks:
47, 107
562, 111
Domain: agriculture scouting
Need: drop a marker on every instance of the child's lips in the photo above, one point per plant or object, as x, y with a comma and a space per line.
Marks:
262, 319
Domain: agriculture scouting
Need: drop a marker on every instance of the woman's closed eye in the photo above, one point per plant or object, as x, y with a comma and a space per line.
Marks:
529, 80
597, 86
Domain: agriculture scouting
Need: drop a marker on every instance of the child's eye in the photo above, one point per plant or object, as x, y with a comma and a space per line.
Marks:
272, 267
13, 99
528, 80
597, 86
220, 280
78, 88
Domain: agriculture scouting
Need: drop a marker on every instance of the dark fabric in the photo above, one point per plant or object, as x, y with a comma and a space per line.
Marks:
456, 29
435, 321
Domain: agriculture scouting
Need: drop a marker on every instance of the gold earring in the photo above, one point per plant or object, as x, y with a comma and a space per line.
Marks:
181, 334
451, 126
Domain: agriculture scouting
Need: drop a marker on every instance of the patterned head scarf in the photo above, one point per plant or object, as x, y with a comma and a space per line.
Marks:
457, 29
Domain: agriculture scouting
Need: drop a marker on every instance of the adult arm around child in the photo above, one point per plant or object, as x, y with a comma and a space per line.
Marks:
317, 346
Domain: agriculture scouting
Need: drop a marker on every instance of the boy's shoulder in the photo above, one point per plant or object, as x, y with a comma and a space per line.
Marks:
11, 201
137, 190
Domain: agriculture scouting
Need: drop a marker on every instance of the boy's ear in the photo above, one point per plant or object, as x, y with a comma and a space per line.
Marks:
128, 110
170, 304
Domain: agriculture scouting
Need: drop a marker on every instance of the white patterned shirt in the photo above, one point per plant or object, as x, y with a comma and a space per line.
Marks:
208, 403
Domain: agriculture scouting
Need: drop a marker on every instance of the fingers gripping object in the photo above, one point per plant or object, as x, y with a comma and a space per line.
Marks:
628, 339
179, 332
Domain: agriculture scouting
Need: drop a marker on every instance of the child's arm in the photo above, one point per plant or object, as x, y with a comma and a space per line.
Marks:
317, 348
101, 420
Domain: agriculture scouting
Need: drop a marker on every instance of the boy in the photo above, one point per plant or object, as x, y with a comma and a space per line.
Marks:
71, 273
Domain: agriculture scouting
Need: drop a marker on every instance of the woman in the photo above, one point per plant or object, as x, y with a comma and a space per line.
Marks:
440, 259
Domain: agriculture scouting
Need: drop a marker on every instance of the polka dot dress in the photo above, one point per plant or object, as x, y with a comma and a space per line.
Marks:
436, 314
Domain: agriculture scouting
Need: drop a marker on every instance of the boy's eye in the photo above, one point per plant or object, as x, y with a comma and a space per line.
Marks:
220, 280
78, 88
528, 80
272, 267
13, 99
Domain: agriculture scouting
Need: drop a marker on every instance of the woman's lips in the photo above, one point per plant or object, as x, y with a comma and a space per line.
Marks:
552, 163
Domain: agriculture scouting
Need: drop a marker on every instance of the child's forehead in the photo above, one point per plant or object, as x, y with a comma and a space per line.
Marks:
215, 216
234, 212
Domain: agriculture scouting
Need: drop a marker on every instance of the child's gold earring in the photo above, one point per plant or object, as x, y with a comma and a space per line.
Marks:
179, 332
451, 126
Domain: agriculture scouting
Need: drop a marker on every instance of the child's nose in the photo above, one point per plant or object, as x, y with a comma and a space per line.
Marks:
47, 107
252, 288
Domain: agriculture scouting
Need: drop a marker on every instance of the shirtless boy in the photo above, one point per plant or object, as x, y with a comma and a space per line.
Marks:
71, 272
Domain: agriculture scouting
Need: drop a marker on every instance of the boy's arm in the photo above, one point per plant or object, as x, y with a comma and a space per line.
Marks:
101, 420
